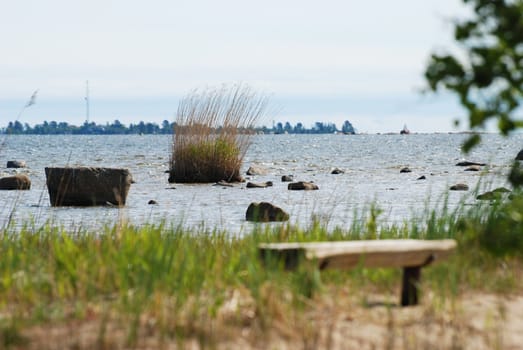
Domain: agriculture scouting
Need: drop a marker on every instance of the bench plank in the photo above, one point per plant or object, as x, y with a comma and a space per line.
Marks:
409, 254
365, 253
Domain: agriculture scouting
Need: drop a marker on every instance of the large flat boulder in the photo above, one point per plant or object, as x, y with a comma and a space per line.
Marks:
86, 186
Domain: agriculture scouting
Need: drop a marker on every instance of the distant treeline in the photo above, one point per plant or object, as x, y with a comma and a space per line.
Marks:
61, 128
117, 128
318, 128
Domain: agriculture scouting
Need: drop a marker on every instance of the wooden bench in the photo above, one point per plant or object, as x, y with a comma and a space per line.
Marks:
409, 254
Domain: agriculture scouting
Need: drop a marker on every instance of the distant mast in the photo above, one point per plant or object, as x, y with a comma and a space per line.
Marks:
87, 101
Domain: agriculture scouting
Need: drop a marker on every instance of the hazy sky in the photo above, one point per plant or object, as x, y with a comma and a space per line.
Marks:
319, 60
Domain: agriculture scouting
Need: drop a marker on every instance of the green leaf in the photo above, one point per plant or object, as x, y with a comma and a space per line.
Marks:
471, 142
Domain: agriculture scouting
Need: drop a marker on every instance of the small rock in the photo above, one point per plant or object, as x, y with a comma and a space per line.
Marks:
337, 171
16, 164
152, 201
459, 187
494, 194
501, 190
302, 185
467, 163
422, 177
265, 212
489, 196
287, 178
223, 184
259, 184
405, 170
256, 170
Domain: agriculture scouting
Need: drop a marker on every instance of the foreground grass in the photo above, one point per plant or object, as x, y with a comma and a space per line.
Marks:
159, 286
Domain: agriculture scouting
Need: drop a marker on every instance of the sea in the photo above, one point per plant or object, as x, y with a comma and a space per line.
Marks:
371, 179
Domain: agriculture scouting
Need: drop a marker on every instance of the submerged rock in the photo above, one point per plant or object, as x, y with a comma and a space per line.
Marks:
337, 171
495, 194
467, 163
259, 184
16, 164
405, 170
459, 187
15, 182
287, 178
473, 168
265, 212
489, 196
223, 183
501, 190
302, 185
256, 170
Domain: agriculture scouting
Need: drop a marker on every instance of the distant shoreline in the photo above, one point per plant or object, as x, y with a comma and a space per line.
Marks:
167, 128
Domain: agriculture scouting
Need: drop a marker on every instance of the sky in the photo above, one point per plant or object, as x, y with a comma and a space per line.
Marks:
327, 61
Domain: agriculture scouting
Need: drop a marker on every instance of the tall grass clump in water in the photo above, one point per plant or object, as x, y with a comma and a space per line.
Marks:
212, 133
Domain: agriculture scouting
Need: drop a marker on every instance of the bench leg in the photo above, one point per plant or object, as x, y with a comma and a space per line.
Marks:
409, 288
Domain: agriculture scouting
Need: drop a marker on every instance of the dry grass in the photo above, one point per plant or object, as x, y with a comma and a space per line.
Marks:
158, 287
336, 319
212, 133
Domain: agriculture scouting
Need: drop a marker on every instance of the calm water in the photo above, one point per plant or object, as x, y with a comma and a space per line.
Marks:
371, 163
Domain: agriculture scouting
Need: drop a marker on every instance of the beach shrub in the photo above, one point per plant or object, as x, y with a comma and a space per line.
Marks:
212, 133
487, 76
499, 231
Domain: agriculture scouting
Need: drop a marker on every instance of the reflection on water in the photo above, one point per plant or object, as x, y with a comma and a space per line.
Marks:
371, 163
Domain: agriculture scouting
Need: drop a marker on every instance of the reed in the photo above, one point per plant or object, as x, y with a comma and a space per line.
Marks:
212, 133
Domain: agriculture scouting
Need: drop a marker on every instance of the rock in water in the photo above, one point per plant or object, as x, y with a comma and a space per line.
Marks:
15, 182
302, 185
16, 164
265, 212
259, 184
459, 187
287, 178
467, 163
85, 186
256, 170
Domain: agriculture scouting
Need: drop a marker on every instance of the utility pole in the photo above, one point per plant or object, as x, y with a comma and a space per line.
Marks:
87, 101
